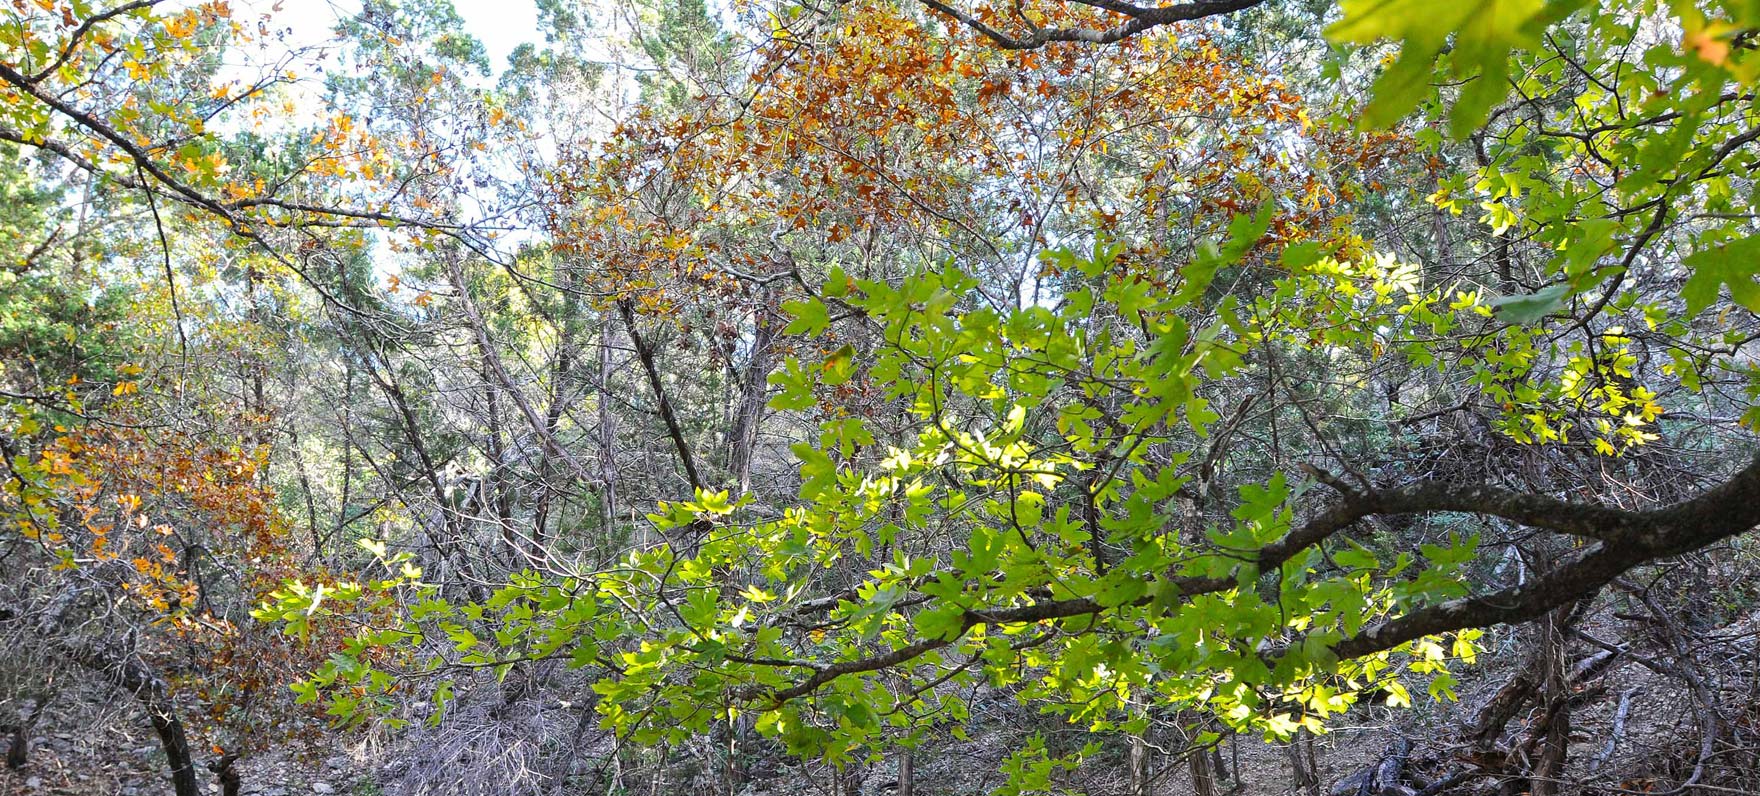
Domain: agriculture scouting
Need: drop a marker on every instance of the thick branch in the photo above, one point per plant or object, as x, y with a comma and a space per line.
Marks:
1628, 539
1137, 20
1625, 539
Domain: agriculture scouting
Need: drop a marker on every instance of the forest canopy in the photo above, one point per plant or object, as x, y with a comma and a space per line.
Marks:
811, 378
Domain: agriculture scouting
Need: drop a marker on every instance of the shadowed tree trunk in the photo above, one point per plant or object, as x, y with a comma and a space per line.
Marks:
1554, 742
227, 774
1304, 770
131, 674
19, 752
754, 392
1203, 774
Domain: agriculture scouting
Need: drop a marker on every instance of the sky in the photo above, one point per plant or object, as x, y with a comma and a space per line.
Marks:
501, 25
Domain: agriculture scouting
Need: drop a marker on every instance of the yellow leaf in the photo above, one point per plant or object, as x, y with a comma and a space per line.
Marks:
1708, 40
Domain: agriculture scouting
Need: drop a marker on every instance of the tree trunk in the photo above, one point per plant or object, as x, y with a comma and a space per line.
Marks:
496, 482
607, 431
132, 675
1139, 766
1554, 739
674, 428
19, 752
907, 773
1203, 776
230, 783
1304, 773
754, 392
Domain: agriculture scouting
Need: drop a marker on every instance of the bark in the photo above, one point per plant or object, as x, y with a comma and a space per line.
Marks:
1382, 778
1490, 720
1688, 669
230, 783
561, 371
1617, 732
499, 496
754, 395
492, 358
411, 428
131, 674
1304, 772
607, 430
1553, 739
907, 773
1626, 539
1139, 766
1203, 775
19, 752
1138, 19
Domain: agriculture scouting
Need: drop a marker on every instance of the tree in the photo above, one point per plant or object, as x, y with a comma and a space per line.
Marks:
1064, 352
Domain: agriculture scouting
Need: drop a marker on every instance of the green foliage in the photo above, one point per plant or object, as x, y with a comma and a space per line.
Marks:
1477, 36
1008, 441
1049, 450
991, 486
58, 320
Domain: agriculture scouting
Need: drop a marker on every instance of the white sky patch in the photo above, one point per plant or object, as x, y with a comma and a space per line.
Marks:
501, 25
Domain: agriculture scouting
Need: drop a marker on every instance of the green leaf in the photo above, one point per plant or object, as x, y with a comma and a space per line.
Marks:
1529, 309
1735, 264
1484, 33
810, 317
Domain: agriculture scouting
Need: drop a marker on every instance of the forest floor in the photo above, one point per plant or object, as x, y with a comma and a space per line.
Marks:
92, 744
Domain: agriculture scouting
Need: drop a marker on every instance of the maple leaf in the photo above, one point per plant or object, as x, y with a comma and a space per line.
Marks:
1708, 40
1734, 263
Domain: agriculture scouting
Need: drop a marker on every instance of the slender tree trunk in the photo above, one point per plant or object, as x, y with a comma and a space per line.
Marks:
19, 752
1203, 775
607, 429
492, 358
132, 675
496, 483
412, 433
1555, 698
674, 429
754, 392
342, 518
1139, 762
1304, 774
561, 374
907, 773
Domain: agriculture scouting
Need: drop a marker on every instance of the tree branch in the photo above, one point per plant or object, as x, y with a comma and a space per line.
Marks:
1138, 20
1624, 539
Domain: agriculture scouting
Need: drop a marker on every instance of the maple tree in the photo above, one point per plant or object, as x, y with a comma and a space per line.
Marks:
811, 374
